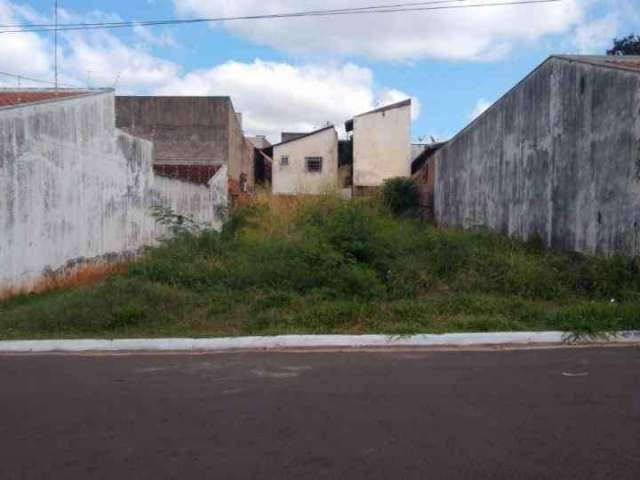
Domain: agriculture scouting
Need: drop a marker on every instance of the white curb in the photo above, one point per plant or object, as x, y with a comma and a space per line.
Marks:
302, 341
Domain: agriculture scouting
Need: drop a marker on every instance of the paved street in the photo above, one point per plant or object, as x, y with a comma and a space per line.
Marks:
567, 413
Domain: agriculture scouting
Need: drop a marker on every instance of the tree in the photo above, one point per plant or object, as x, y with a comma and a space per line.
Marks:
626, 46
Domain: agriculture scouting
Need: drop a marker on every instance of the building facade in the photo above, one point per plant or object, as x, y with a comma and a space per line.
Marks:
381, 145
306, 164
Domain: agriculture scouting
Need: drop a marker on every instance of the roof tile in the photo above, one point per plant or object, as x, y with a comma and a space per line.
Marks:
17, 97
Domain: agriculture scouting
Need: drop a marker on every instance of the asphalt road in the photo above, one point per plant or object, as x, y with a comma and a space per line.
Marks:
428, 415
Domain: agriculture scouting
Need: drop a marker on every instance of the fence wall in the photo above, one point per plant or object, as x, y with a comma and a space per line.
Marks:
74, 188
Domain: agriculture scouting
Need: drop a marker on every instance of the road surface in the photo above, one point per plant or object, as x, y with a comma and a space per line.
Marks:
563, 413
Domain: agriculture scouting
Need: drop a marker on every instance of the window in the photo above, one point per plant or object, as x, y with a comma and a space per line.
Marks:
284, 161
314, 164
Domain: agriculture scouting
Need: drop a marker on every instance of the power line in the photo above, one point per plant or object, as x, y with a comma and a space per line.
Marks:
406, 7
35, 80
251, 17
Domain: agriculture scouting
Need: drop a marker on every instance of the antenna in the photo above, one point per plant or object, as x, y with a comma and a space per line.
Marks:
115, 82
55, 44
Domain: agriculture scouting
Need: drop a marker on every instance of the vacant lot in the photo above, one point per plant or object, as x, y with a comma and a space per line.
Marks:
323, 265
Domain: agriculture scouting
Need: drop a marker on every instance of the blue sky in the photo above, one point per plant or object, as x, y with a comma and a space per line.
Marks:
296, 74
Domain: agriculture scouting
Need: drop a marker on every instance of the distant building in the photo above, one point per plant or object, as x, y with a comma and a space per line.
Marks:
259, 141
305, 164
557, 158
381, 145
190, 131
286, 136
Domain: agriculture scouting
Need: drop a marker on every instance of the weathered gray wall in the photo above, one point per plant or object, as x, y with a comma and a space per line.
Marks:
73, 187
189, 131
241, 150
557, 157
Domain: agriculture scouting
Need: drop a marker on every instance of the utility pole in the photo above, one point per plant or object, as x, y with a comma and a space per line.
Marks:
55, 44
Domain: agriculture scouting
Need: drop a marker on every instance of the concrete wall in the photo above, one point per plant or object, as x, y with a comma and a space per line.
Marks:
189, 131
241, 152
204, 204
557, 157
294, 178
73, 187
382, 145
184, 130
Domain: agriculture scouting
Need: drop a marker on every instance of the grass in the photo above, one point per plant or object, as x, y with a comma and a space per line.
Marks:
324, 265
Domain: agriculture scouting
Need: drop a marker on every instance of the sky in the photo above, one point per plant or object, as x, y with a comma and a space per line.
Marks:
297, 74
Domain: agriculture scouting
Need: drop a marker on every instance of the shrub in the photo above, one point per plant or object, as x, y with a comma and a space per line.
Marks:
323, 264
400, 195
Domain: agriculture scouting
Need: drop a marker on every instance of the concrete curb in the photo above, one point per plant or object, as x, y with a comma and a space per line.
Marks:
304, 341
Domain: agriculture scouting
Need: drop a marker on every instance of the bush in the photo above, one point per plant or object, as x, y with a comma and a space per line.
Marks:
401, 196
323, 264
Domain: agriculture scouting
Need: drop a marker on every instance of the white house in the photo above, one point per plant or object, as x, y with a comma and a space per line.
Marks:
306, 164
381, 145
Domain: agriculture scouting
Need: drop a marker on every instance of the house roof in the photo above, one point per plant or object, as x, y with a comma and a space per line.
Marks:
284, 136
9, 98
622, 62
199, 174
303, 136
393, 106
404, 103
259, 141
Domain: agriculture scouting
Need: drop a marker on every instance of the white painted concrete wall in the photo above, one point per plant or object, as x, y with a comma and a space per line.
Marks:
73, 188
381, 146
294, 178
203, 203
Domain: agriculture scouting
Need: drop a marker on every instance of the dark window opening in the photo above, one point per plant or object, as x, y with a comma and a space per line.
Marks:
284, 161
314, 164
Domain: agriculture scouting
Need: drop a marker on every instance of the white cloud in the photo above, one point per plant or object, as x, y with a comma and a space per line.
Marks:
101, 59
16, 48
458, 34
605, 20
596, 36
95, 57
478, 109
274, 96
149, 39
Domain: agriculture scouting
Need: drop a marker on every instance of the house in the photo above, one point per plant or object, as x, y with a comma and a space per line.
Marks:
306, 163
191, 131
381, 145
557, 158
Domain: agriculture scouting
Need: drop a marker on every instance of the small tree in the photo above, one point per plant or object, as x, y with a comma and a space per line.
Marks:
400, 195
626, 46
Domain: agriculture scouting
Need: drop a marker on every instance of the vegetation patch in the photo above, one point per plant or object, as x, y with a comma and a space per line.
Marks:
326, 265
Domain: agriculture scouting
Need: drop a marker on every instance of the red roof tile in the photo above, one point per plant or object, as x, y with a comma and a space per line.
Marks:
17, 97
200, 174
